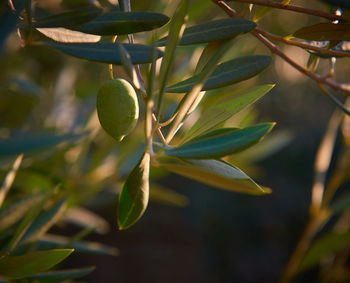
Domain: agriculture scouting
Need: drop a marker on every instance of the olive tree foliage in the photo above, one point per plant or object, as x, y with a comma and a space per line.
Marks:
189, 118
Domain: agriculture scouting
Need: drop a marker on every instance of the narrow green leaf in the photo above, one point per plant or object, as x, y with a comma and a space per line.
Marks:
105, 52
11, 214
324, 31
44, 221
207, 53
177, 25
16, 267
61, 275
216, 173
67, 35
67, 19
227, 73
324, 246
222, 142
119, 23
31, 142
133, 198
223, 110
189, 101
223, 29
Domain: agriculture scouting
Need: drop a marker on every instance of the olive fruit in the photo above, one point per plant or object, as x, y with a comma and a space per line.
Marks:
117, 108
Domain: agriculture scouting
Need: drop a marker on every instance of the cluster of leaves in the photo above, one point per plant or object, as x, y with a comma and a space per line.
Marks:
45, 189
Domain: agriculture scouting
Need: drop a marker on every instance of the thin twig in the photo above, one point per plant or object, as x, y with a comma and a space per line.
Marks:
276, 50
334, 99
298, 9
320, 79
306, 46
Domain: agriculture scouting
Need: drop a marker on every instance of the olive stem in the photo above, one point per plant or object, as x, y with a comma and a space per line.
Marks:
110, 66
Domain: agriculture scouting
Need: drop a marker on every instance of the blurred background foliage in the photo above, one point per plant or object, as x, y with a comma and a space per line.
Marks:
190, 232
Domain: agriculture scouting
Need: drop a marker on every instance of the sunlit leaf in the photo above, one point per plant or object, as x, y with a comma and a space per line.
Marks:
214, 31
32, 142
66, 35
324, 31
220, 111
221, 142
325, 246
207, 53
15, 267
118, 23
61, 275
215, 173
176, 29
227, 73
105, 52
134, 196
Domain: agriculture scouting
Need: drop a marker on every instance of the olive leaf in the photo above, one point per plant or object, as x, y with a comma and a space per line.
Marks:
134, 196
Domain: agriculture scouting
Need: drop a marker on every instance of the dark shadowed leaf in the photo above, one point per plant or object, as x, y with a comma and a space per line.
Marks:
105, 52
215, 173
30, 143
134, 196
61, 275
15, 267
324, 31
223, 110
67, 19
325, 246
118, 23
221, 142
213, 31
227, 73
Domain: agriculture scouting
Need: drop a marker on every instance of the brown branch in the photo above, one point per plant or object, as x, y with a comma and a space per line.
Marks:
306, 46
328, 16
276, 50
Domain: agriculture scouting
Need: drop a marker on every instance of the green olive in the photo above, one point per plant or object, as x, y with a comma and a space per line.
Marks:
117, 108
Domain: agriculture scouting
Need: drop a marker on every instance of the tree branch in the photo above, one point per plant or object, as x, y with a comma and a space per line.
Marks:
328, 16
306, 46
276, 50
